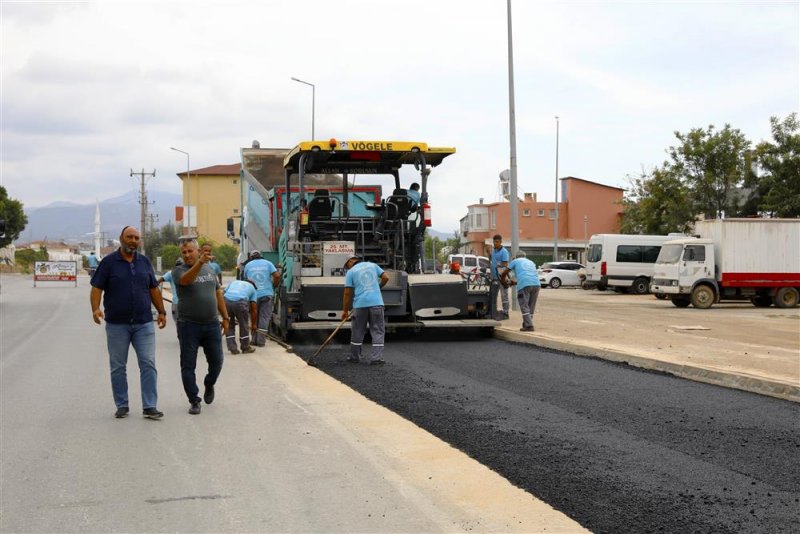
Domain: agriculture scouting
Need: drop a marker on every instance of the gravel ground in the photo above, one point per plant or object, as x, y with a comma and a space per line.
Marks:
617, 449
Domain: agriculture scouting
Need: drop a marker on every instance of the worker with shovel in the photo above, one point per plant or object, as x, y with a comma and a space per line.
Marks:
362, 286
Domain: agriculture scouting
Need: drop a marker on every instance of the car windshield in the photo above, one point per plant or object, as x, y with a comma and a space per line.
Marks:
549, 266
669, 254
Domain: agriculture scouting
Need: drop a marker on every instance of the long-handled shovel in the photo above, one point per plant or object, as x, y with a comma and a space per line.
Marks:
311, 361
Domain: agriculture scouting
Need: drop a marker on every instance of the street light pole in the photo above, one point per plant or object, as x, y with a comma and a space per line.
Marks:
555, 223
188, 215
512, 126
313, 102
585, 236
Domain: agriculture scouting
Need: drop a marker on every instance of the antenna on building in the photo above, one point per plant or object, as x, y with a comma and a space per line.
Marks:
504, 187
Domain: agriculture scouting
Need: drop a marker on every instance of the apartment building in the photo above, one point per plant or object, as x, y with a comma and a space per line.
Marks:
585, 208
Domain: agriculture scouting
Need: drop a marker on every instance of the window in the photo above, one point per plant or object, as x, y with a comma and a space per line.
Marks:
637, 253
494, 219
629, 254
595, 253
470, 262
695, 253
540, 213
483, 262
235, 181
650, 253
235, 210
478, 222
552, 214
526, 212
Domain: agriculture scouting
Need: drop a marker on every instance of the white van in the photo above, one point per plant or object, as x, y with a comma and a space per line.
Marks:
469, 263
623, 262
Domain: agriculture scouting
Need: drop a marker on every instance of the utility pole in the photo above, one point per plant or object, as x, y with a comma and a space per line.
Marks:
512, 127
143, 200
152, 219
555, 221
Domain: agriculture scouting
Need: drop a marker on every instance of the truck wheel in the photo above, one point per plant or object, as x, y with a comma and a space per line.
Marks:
555, 283
786, 297
680, 302
641, 286
761, 301
602, 287
702, 297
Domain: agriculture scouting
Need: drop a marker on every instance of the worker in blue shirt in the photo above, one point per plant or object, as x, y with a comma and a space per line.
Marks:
528, 286
241, 301
362, 286
213, 264
499, 263
265, 277
413, 196
167, 277
93, 263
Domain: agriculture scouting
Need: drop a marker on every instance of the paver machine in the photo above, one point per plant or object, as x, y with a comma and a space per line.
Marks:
320, 230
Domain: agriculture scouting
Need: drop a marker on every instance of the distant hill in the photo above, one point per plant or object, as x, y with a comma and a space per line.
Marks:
67, 221
441, 235
71, 222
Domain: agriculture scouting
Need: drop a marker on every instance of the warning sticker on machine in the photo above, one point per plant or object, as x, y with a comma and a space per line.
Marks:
339, 247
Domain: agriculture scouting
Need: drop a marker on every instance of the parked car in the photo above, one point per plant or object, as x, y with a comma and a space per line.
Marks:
561, 273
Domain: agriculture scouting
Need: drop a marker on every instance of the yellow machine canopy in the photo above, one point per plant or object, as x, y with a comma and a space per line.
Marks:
363, 157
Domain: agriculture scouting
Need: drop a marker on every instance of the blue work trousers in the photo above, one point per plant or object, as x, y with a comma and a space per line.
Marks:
119, 338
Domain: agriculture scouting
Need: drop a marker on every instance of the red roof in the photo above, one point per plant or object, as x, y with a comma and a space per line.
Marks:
221, 170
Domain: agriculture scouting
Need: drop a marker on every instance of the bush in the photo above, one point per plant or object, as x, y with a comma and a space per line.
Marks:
25, 258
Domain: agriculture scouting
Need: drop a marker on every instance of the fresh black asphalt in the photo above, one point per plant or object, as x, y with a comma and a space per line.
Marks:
617, 449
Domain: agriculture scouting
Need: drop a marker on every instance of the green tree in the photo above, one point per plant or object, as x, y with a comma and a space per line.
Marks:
169, 255
779, 188
226, 256
26, 257
12, 213
156, 239
712, 164
657, 203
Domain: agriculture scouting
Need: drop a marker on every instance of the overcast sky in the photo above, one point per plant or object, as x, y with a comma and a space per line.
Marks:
91, 90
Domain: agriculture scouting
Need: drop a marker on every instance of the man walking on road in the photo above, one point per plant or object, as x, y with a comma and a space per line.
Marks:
265, 277
130, 287
240, 301
201, 302
362, 286
528, 286
499, 263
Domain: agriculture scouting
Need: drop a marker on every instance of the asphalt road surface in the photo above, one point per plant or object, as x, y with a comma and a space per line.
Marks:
615, 448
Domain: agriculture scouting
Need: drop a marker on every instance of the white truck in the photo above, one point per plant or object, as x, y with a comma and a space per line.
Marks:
732, 259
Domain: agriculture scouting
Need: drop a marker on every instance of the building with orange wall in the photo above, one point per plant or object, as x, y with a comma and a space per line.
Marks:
586, 208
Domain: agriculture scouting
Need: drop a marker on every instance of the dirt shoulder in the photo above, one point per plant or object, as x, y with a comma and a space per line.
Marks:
730, 344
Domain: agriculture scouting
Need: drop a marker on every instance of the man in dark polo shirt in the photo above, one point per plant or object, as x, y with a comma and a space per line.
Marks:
202, 302
130, 287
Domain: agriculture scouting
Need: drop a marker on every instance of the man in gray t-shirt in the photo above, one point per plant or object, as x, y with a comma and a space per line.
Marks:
201, 301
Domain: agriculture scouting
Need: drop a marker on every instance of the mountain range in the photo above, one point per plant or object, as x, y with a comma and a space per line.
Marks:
71, 222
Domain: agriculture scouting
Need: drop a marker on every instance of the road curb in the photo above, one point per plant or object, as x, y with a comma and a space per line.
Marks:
751, 384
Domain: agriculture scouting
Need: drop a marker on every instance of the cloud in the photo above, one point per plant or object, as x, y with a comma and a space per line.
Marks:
93, 90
